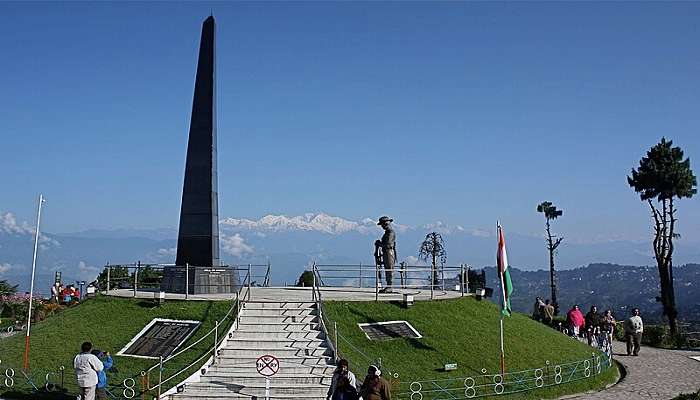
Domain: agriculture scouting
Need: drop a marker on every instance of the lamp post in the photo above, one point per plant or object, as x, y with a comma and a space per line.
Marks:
31, 286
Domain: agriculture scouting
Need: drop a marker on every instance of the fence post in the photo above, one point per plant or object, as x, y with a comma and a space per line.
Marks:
461, 279
216, 340
136, 277
187, 280
250, 278
376, 282
360, 285
313, 279
432, 280
442, 276
466, 278
335, 331
160, 375
109, 269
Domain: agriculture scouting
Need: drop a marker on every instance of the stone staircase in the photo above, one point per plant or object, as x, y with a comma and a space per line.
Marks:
289, 331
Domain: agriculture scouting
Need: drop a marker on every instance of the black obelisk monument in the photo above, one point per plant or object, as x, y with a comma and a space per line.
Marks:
198, 237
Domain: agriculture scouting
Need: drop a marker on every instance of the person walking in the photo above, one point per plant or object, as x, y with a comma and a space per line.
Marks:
340, 373
634, 327
87, 365
537, 309
592, 323
107, 362
608, 325
388, 251
575, 320
547, 313
374, 386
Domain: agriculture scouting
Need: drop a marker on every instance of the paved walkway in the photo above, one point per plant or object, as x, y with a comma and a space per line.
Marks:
299, 294
656, 374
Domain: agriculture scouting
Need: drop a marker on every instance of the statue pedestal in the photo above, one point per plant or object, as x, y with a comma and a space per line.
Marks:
202, 280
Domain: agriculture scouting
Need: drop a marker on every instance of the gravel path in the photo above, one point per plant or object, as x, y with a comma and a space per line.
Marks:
655, 374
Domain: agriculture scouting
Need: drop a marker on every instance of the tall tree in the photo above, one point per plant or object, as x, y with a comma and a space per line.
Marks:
662, 176
433, 249
550, 214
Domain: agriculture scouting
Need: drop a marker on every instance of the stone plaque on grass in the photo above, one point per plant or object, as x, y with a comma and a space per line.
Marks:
161, 337
389, 330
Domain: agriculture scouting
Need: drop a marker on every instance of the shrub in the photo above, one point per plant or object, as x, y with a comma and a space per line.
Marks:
689, 396
654, 335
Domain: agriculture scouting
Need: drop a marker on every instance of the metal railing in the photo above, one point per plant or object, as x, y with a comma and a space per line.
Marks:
486, 384
317, 298
242, 295
440, 278
145, 277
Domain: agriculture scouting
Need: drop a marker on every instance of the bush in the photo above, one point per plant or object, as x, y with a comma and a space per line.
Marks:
306, 279
689, 396
654, 335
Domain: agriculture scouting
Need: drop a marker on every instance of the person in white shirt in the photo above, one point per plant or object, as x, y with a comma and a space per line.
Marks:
87, 366
633, 332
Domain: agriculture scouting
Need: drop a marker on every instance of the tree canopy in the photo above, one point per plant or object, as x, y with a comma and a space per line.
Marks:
663, 174
6, 289
549, 210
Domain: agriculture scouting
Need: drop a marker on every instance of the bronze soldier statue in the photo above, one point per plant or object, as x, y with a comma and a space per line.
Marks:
378, 259
388, 245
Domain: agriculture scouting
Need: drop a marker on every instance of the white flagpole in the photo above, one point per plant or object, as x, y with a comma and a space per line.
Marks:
503, 301
31, 286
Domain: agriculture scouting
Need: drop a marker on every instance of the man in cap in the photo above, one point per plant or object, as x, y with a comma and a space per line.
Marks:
388, 251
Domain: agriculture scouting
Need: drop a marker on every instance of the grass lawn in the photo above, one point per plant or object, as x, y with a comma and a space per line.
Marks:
463, 331
109, 323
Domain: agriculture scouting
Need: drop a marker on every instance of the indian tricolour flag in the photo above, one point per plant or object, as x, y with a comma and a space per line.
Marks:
504, 272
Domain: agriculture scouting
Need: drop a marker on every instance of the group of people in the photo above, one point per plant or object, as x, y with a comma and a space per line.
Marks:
344, 384
543, 311
593, 324
90, 368
64, 294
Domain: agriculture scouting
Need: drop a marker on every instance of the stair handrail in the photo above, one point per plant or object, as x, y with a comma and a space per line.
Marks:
316, 290
239, 300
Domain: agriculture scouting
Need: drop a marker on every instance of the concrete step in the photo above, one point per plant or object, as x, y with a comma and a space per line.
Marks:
300, 390
246, 318
279, 335
227, 352
232, 395
233, 360
277, 327
279, 311
277, 305
234, 370
262, 342
256, 379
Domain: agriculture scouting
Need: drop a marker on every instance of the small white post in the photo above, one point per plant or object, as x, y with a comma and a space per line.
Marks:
267, 388
31, 286
187, 280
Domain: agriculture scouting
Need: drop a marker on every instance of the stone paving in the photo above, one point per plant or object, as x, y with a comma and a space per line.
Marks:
655, 374
300, 294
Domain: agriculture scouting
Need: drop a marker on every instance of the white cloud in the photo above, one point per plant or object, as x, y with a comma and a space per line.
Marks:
4, 268
9, 225
479, 232
87, 272
167, 252
235, 245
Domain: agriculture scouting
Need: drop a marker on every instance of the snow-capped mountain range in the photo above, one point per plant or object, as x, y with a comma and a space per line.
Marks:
311, 222
291, 243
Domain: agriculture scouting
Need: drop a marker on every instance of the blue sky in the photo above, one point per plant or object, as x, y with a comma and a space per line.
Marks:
458, 112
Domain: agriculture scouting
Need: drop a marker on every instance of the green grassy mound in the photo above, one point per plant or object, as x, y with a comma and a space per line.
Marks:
462, 331
109, 323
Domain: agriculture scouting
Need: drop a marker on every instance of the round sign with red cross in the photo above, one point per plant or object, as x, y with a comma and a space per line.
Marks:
267, 365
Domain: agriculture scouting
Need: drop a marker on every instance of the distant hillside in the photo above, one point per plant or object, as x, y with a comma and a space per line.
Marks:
613, 286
